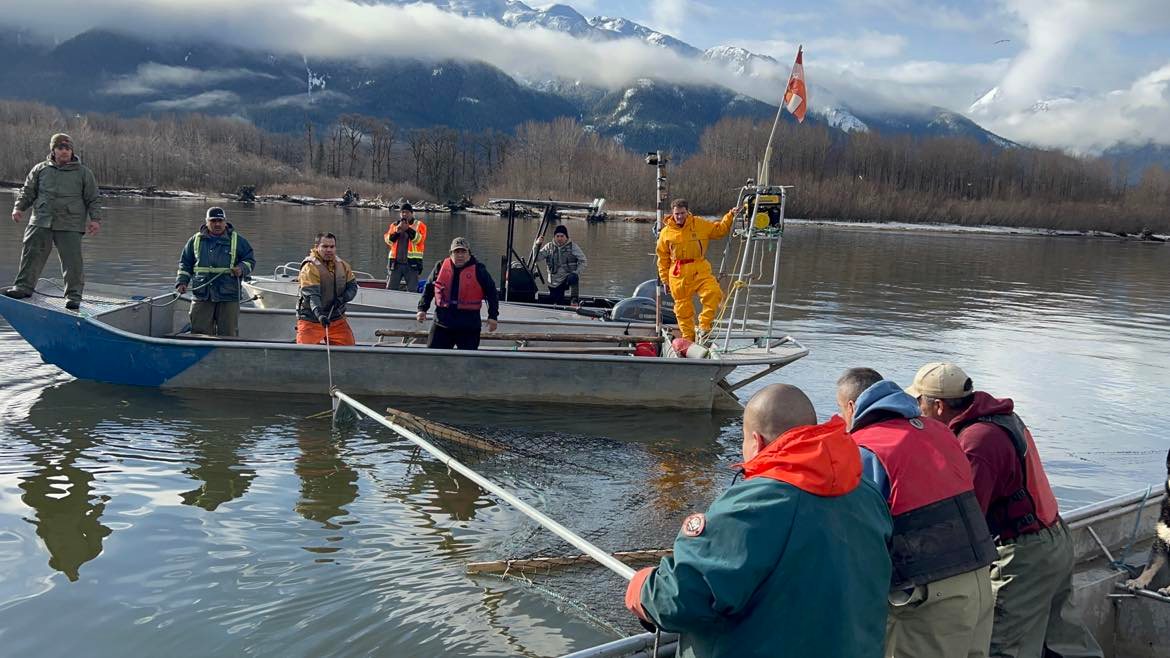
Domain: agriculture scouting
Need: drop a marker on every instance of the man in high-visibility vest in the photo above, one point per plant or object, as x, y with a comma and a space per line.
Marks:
211, 266
683, 265
407, 240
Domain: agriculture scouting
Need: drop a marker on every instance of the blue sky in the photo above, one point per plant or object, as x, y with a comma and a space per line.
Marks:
1075, 74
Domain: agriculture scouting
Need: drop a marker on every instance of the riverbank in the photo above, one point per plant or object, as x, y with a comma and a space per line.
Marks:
640, 216
634, 216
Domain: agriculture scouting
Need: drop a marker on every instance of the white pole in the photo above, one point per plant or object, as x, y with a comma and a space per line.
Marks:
607, 560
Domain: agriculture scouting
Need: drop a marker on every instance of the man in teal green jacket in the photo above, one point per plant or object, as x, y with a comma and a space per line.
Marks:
792, 561
63, 195
213, 262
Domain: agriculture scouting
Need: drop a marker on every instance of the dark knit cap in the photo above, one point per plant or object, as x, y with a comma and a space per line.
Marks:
562, 230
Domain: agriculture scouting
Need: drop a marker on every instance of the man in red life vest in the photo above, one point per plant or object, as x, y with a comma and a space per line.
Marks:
940, 594
459, 284
1032, 576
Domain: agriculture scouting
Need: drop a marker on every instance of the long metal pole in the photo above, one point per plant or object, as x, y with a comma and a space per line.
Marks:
776, 271
659, 200
768, 150
607, 560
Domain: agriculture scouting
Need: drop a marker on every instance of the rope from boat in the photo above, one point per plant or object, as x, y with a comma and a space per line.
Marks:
175, 298
1119, 563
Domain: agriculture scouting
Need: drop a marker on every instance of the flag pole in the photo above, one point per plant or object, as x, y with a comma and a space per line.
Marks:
797, 70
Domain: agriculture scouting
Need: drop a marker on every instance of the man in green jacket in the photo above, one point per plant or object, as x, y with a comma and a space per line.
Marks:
792, 561
63, 195
212, 263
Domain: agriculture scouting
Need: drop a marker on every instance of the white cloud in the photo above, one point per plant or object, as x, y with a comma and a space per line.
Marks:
1135, 115
1068, 88
204, 101
152, 77
339, 28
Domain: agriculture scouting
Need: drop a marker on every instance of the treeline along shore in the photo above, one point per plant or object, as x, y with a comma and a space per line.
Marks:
856, 176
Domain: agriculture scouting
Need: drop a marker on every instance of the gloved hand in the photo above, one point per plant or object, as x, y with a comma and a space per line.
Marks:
572, 279
323, 315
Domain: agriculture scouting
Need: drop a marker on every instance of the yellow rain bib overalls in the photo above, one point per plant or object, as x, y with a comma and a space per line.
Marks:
683, 265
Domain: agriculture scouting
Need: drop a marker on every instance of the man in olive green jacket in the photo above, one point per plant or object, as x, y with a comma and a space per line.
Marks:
63, 195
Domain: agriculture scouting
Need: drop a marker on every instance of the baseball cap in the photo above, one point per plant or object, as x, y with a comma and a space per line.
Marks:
460, 243
942, 380
216, 212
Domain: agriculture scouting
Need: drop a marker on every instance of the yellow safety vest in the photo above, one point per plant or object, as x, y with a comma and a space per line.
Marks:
215, 270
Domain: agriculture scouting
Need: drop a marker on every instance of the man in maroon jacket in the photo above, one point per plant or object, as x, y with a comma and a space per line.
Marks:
1032, 578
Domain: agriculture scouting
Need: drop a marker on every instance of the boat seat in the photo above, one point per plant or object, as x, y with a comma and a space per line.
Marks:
187, 335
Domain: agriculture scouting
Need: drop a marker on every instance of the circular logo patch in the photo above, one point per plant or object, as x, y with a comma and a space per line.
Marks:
916, 423
693, 525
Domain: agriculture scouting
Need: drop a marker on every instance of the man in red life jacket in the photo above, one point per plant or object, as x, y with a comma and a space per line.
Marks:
1032, 576
940, 594
459, 284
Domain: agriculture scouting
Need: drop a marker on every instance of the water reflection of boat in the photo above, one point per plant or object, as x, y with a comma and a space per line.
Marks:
67, 512
65, 423
141, 343
1124, 625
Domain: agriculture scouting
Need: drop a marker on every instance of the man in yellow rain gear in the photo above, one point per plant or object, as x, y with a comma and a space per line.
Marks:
683, 265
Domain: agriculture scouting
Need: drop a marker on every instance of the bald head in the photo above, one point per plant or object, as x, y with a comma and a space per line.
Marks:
775, 410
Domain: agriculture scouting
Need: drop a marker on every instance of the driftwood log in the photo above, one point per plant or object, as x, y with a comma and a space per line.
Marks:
550, 563
429, 428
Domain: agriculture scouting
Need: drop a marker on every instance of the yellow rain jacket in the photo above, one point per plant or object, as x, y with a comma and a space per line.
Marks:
683, 265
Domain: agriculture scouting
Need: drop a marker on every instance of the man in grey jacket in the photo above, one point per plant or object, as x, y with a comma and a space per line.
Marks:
63, 195
565, 261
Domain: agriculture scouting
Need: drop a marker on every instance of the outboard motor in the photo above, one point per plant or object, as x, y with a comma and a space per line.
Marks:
646, 289
521, 285
639, 309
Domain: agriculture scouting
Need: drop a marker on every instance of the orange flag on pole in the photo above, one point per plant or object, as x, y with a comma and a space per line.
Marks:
796, 96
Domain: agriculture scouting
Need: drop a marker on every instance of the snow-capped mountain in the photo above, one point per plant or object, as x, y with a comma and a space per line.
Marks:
741, 61
738, 61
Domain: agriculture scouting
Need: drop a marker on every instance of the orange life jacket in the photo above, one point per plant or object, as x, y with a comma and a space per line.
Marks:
470, 292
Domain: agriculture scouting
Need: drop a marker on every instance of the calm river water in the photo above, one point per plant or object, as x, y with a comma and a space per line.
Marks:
134, 521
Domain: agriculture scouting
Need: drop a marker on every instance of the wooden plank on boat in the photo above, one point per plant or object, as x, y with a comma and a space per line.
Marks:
420, 425
528, 337
549, 563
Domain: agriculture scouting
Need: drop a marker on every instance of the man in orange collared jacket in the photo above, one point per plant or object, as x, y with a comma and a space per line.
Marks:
792, 561
407, 241
459, 285
683, 265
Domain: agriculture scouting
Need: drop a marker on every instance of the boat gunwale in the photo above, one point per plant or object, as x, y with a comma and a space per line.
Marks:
96, 319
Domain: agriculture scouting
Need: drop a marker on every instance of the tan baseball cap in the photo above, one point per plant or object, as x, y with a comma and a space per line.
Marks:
942, 380
460, 243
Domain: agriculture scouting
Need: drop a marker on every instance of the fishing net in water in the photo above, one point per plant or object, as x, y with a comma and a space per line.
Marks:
627, 499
